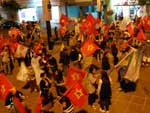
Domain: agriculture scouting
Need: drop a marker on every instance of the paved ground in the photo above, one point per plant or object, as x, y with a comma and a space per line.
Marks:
133, 102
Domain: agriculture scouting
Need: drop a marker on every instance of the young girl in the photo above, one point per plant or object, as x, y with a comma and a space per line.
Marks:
91, 85
104, 91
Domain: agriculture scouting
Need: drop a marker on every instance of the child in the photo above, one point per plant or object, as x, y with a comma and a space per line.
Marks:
104, 91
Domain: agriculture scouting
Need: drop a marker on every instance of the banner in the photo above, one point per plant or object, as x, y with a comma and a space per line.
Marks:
133, 71
77, 94
130, 28
141, 36
5, 86
74, 75
146, 22
89, 47
63, 20
38, 105
62, 30
19, 105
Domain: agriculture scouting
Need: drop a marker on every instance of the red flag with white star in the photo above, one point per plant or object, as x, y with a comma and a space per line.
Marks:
77, 94
5, 86
74, 75
89, 47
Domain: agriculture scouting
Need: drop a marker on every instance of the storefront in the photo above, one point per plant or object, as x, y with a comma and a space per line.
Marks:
127, 9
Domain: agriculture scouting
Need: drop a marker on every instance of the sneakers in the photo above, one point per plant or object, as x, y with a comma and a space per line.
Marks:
101, 110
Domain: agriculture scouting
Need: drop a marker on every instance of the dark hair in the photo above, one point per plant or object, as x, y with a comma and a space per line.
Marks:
66, 100
105, 77
92, 67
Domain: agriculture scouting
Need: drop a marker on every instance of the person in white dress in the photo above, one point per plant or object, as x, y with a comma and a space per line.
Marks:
36, 67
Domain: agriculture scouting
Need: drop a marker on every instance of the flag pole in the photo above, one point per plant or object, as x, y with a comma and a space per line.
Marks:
117, 65
124, 58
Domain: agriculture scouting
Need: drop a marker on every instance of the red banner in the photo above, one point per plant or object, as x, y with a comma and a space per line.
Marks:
63, 20
19, 105
89, 47
5, 86
74, 75
130, 28
146, 21
38, 105
62, 31
91, 18
141, 36
77, 94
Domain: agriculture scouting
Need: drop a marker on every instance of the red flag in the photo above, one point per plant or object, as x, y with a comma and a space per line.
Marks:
62, 31
13, 46
89, 47
130, 28
38, 105
86, 27
82, 26
146, 22
77, 94
140, 24
73, 75
19, 105
63, 20
4, 42
13, 32
5, 86
91, 18
141, 36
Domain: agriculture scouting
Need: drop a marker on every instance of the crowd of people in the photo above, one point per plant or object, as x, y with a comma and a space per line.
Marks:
46, 74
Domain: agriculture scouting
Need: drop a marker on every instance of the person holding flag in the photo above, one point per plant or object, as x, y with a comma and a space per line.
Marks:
12, 98
15, 102
66, 105
46, 93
